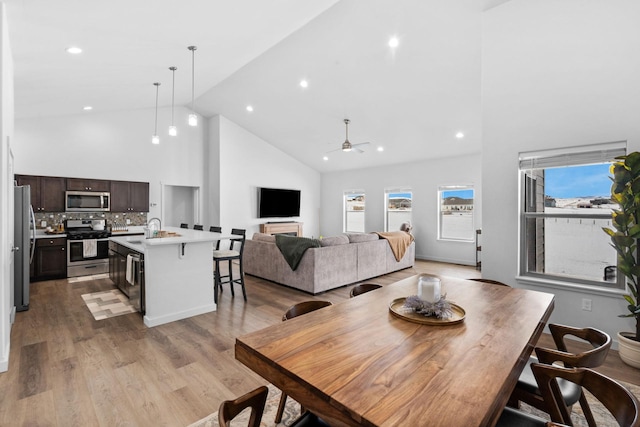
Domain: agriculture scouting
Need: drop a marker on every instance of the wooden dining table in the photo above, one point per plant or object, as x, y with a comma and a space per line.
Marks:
356, 363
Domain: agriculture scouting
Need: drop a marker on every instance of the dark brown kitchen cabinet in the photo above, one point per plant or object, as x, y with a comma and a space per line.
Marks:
47, 192
127, 196
50, 259
81, 184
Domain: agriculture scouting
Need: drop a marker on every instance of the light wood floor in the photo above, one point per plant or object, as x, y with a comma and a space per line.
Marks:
66, 369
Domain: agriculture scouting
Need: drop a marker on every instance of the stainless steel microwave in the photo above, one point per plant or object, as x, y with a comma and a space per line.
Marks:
87, 201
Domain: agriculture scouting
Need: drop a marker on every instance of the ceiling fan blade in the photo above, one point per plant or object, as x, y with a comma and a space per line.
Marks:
360, 144
356, 147
333, 151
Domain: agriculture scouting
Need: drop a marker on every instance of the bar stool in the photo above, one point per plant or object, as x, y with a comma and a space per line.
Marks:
216, 229
229, 255
183, 225
198, 227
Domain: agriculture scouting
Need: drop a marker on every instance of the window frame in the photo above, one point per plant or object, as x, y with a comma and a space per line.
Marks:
345, 211
563, 157
459, 187
394, 190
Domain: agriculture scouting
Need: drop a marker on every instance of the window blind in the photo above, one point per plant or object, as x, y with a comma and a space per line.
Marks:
572, 156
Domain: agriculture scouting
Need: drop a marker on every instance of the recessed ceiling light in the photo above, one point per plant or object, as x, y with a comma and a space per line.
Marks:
380, 149
459, 135
74, 50
304, 83
249, 108
394, 42
325, 158
87, 108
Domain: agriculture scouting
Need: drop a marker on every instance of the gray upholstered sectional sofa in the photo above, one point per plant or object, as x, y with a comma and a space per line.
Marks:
341, 260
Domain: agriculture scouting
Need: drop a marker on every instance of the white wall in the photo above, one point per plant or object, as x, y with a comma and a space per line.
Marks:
115, 145
248, 162
554, 74
423, 178
6, 189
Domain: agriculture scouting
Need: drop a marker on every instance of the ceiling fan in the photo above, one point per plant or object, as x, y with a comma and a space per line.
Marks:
348, 146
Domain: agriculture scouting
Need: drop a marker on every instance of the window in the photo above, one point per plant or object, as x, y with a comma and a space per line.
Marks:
354, 212
397, 208
565, 204
455, 218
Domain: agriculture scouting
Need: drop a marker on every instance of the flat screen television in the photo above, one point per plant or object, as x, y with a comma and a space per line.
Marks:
278, 203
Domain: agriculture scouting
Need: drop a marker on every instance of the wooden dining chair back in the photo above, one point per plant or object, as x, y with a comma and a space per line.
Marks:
294, 311
619, 401
363, 288
234, 253
304, 308
527, 390
184, 225
493, 282
216, 229
198, 227
256, 400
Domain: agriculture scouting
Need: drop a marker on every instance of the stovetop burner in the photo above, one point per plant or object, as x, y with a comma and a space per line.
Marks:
80, 229
87, 234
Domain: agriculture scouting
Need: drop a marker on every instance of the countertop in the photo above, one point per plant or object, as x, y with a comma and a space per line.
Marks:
139, 243
41, 234
132, 230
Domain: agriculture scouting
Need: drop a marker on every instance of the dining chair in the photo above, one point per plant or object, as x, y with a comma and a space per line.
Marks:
198, 227
216, 229
183, 225
294, 311
230, 255
619, 401
363, 288
527, 390
493, 282
256, 400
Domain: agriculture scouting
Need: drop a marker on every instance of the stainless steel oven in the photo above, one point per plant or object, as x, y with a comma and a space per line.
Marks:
87, 248
87, 201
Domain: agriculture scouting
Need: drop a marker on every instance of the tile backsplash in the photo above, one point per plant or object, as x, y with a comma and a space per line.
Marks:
54, 218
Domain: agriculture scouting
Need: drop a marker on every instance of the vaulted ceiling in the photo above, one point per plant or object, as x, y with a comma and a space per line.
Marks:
410, 100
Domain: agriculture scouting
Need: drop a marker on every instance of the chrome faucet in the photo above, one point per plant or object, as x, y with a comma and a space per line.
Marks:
154, 221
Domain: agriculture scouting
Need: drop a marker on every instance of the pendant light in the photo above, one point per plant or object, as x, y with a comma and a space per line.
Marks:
193, 117
155, 139
173, 131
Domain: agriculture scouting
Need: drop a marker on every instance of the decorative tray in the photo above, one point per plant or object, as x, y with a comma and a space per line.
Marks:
397, 309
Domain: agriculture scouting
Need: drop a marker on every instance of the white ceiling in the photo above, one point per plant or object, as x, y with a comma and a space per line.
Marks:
411, 100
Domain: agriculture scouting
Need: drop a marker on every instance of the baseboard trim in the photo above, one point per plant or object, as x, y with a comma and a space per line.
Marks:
446, 260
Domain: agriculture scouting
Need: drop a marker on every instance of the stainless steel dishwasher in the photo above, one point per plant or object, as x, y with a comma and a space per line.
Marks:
118, 255
136, 289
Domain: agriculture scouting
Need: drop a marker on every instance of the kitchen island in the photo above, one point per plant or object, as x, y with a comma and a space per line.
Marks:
178, 273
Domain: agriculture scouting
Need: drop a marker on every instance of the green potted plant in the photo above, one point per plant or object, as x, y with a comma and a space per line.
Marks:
625, 191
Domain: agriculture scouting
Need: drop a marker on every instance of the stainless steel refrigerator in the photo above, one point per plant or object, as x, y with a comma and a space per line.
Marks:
24, 245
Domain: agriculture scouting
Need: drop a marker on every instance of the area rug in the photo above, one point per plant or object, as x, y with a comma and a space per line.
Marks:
87, 278
106, 304
292, 412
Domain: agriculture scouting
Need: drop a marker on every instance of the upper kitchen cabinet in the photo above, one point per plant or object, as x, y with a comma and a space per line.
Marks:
47, 192
80, 184
129, 196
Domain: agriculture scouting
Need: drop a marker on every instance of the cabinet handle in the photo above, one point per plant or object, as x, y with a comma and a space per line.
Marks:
51, 242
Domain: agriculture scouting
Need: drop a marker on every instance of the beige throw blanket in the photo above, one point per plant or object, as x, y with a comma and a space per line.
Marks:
399, 241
